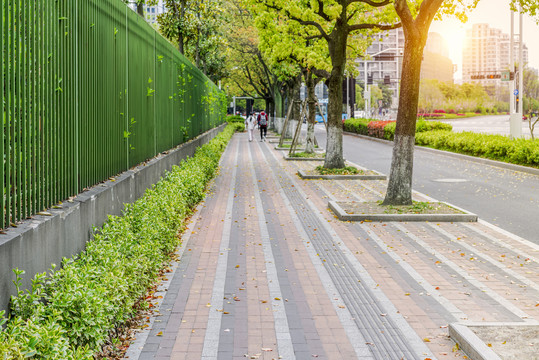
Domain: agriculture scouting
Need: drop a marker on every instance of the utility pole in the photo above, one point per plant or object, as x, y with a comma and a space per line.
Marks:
515, 119
520, 68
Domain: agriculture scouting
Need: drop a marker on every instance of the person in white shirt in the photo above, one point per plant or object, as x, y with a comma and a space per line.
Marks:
250, 124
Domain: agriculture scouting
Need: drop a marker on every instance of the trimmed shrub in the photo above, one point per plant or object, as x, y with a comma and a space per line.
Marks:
497, 147
70, 313
358, 126
235, 119
376, 128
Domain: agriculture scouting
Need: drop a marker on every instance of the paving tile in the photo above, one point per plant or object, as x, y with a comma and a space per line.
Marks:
340, 284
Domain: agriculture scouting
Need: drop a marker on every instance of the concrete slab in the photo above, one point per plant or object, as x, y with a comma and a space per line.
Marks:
337, 208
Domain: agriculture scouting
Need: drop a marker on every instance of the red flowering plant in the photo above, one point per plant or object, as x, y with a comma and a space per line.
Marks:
376, 128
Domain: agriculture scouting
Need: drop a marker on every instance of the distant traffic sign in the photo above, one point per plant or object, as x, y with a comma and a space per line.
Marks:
515, 92
506, 75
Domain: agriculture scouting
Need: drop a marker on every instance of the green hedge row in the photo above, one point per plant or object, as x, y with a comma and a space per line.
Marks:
70, 313
439, 135
235, 119
420, 126
497, 147
358, 126
361, 126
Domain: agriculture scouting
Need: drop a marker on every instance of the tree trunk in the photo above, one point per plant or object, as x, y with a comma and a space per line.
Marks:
140, 8
399, 190
180, 15
311, 100
270, 108
337, 50
296, 97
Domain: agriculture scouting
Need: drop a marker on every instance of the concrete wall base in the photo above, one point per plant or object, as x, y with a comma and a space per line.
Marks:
37, 243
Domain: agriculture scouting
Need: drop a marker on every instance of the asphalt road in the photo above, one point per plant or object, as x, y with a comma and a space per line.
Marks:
492, 124
506, 198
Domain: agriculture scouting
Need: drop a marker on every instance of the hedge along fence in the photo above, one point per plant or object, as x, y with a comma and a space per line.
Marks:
89, 89
71, 313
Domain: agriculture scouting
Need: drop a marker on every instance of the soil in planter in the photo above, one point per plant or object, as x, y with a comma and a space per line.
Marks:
299, 145
308, 155
376, 207
348, 170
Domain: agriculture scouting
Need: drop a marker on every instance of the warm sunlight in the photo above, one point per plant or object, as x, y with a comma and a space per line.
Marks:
454, 34
455, 41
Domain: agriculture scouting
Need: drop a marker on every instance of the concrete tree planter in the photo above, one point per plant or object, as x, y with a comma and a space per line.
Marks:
290, 158
368, 175
474, 339
342, 211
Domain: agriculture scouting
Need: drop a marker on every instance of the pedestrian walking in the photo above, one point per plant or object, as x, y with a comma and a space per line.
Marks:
263, 120
250, 126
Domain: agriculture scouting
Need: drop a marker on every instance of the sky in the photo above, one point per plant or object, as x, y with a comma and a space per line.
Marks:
495, 13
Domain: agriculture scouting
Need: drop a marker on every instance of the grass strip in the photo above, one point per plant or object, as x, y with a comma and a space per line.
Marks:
347, 170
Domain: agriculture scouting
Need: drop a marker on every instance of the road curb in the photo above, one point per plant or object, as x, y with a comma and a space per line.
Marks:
344, 216
500, 164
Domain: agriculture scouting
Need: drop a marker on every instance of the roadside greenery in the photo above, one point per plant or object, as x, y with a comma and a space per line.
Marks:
497, 147
235, 119
439, 135
71, 312
386, 129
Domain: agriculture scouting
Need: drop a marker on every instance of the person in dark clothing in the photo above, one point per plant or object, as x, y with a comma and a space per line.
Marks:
263, 120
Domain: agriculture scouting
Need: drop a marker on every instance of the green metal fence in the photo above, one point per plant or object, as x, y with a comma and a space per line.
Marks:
89, 89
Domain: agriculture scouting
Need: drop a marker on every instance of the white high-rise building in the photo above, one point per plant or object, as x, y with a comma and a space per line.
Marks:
487, 52
386, 66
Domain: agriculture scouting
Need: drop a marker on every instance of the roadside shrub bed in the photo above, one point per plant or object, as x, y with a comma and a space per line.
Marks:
235, 119
386, 129
358, 126
238, 127
376, 128
497, 147
71, 312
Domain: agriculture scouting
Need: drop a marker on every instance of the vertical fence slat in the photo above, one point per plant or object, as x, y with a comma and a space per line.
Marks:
74, 76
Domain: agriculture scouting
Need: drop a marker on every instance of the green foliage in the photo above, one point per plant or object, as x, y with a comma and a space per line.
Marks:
70, 313
308, 155
468, 97
361, 126
239, 127
496, 147
358, 126
235, 118
200, 27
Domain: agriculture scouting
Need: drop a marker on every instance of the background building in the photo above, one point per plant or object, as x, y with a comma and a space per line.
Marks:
487, 51
151, 12
436, 62
387, 67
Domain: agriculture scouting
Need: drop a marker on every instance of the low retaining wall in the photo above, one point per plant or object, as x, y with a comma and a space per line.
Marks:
44, 240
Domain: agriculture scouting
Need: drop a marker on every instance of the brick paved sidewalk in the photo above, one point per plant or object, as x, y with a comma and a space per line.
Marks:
266, 271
